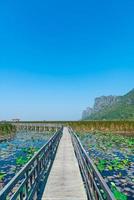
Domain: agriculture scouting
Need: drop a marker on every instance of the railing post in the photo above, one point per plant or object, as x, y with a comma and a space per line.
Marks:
37, 174
26, 183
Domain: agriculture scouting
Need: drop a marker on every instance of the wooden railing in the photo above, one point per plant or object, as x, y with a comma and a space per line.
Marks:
95, 185
30, 181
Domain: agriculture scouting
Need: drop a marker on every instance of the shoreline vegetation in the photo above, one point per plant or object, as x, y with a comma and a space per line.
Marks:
7, 131
125, 128
117, 127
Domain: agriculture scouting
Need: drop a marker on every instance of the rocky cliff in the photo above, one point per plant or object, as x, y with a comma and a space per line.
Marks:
111, 107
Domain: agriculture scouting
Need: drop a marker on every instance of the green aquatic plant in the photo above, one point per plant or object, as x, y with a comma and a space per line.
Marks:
101, 165
110, 167
22, 160
118, 164
113, 156
118, 195
32, 150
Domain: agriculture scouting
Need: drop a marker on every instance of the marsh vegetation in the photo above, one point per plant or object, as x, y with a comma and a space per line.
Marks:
113, 155
6, 131
121, 127
16, 152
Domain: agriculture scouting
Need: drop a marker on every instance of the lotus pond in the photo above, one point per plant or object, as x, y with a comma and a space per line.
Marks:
113, 155
15, 153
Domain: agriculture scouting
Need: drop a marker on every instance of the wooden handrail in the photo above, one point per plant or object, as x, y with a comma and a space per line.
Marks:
25, 184
95, 185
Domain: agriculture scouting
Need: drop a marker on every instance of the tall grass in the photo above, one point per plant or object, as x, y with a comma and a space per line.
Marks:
124, 127
6, 129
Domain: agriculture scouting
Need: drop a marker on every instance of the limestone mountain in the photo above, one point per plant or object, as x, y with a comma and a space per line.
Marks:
111, 108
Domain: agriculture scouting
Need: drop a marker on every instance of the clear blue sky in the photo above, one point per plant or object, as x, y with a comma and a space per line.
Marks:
57, 56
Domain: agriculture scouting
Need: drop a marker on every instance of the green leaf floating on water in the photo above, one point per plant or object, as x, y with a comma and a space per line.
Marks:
118, 195
110, 167
22, 160
118, 156
30, 150
101, 165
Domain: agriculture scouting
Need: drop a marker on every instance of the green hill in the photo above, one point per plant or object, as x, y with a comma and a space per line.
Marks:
121, 109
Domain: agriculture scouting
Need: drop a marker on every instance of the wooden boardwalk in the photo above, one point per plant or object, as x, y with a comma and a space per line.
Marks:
65, 181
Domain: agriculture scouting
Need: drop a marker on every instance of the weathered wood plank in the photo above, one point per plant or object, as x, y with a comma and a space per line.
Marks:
65, 182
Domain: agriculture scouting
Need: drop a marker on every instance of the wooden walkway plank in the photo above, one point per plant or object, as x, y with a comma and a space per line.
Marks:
65, 181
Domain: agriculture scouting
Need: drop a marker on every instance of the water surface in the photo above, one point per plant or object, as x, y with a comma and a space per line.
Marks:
114, 157
15, 153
